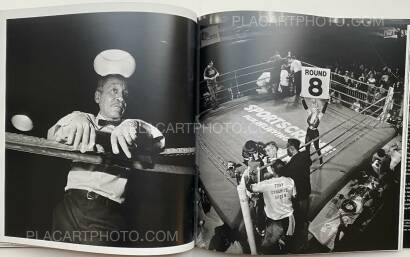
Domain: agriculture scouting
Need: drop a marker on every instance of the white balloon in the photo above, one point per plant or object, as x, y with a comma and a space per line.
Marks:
22, 122
114, 61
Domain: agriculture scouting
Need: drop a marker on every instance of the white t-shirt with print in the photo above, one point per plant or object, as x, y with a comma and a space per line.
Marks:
277, 194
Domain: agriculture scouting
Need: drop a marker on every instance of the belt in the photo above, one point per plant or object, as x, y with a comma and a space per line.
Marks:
312, 128
279, 220
91, 196
109, 169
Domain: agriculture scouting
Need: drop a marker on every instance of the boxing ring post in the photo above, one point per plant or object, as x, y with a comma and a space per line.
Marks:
238, 93
246, 213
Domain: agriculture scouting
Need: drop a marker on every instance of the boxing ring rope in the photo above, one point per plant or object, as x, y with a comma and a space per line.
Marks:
222, 161
353, 90
243, 68
374, 87
346, 87
235, 77
240, 76
332, 89
218, 160
343, 76
242, 189
355, 93
359, 134
243, 91
270, 62
327, 132
41, 146
366, 109
362, 122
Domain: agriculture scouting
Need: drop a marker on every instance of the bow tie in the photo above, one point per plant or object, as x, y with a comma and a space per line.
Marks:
103, 123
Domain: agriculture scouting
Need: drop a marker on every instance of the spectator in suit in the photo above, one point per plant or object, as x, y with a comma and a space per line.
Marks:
298, 169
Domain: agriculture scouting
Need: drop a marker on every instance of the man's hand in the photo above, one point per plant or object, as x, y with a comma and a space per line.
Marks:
74, 129
125, 135
266, 160
214, 77
249, 180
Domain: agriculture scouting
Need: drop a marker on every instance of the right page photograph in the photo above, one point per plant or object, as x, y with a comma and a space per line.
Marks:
299, 148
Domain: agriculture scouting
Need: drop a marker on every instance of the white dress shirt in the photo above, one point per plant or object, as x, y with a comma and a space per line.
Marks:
111, 186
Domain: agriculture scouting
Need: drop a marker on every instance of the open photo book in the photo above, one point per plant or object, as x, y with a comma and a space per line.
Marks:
145, 129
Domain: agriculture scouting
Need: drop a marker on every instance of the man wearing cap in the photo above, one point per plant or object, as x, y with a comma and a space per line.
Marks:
90, 210
298, 169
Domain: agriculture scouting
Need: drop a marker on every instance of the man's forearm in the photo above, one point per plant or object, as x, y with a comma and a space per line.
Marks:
157, 137
304, 104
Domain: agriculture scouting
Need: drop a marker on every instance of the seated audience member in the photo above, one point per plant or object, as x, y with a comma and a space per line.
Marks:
223, 239
380, 163
395, 152
356, 106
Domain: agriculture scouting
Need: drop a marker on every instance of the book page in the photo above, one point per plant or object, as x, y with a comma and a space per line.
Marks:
300, 144
347, 8
98, 154
406, 144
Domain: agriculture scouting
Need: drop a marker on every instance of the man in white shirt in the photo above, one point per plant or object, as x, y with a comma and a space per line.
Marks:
210, 76
284, 81
296, 70
90, 210
278, 193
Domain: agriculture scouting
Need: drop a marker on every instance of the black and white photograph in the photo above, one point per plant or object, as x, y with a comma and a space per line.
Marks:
300, 145
406, 193
204, 128
94, 156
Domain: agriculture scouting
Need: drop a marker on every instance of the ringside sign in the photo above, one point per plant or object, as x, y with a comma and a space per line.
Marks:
315, 82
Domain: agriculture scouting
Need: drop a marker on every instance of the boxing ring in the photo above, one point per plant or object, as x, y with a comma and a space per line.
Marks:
348, 138
42, 146
36, 174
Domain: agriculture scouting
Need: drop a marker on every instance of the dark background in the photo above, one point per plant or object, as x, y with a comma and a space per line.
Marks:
50, 74
244, 43
320, 47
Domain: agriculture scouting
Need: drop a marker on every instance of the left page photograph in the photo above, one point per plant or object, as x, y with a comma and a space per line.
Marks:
97, 115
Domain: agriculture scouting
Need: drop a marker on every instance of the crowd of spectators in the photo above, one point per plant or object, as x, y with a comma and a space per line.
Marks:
354, 85
358, 86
